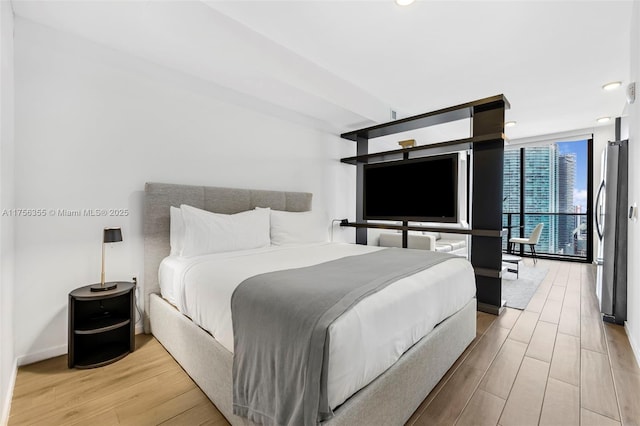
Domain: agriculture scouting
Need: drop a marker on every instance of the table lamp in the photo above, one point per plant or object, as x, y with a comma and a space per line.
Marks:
111, 235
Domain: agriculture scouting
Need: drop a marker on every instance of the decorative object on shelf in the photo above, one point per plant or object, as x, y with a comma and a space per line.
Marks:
409, 143
111, 235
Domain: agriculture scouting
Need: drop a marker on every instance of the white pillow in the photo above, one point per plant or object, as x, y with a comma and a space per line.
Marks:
207, 232
176, 231
297, 228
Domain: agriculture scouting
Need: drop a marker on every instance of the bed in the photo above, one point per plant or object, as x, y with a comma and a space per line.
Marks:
392, 395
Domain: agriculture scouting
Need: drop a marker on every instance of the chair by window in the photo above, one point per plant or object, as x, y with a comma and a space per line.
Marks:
531, 241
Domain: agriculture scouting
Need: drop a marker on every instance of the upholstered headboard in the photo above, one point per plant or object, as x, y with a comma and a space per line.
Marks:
160, 196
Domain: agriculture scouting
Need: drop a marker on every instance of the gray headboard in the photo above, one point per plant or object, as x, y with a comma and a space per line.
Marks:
160, 196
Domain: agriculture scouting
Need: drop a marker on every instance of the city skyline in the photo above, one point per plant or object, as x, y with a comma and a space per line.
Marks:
554, 183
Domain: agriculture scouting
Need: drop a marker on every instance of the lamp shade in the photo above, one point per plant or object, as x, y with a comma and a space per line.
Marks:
112, 235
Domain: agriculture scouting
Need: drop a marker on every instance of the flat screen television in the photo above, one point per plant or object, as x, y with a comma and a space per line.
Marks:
417, 190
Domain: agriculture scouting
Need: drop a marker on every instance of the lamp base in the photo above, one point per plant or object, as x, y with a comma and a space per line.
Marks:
107, 286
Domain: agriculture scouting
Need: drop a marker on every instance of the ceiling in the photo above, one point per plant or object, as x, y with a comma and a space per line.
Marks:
347, 64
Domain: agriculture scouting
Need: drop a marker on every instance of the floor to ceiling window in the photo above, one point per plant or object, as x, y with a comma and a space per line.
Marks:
550, 184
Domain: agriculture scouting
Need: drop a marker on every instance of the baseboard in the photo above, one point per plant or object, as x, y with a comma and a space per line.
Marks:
634, 345
491, 309
42, 355
6, 404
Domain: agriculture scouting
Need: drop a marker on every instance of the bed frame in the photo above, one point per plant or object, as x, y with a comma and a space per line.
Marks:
390, 399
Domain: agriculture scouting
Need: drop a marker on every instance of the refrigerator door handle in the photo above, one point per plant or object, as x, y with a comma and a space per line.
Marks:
598, 214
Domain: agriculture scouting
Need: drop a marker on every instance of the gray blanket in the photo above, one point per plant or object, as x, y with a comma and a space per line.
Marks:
280, 326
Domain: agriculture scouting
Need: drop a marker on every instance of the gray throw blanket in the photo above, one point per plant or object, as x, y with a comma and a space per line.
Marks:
280, 326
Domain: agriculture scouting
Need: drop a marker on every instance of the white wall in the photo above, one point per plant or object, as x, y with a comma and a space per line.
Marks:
92, 126
7, 357
633, 295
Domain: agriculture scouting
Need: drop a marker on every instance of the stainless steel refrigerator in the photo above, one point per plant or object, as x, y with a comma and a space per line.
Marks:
611, 225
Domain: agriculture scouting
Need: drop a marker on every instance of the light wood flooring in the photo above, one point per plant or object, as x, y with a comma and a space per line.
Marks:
554, 363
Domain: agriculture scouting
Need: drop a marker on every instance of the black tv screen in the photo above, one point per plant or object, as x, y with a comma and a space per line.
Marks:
418, 190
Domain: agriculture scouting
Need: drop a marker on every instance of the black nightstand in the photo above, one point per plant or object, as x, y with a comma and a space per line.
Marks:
101, 325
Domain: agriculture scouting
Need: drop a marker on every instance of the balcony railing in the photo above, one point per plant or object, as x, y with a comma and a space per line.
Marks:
563, 234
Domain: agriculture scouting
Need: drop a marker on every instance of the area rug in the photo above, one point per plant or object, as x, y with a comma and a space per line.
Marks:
518, 291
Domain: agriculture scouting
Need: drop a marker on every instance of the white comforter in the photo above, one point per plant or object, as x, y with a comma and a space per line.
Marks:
365, 341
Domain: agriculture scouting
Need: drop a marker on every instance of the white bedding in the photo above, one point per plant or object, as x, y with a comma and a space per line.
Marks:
365, 341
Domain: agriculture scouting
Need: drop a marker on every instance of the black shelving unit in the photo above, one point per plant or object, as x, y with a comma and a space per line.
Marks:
406, 153
101, 325
487, 145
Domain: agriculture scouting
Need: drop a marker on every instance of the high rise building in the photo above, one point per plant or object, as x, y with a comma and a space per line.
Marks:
511, 190
550, 179
540, 192
566, 184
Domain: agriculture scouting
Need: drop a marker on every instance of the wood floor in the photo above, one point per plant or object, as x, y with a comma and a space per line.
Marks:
554, 363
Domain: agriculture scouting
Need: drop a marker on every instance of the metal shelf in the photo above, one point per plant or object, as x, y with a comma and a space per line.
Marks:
399, 154
474, 232
445, 115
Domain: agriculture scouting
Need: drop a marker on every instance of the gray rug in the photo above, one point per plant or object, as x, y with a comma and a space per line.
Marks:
518, 291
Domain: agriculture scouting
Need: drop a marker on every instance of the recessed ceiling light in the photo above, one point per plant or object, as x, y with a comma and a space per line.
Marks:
603, 119
612, 86
509, 124
404, 2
